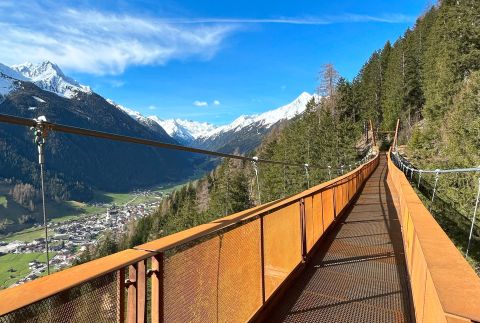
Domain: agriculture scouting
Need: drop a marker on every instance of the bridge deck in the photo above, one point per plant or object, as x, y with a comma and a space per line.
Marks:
359, 272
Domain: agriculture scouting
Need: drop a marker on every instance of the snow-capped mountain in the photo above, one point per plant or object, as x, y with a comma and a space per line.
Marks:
8, 80
246, 132
48, 76
137, 116
243, 134
186, 131
266, 119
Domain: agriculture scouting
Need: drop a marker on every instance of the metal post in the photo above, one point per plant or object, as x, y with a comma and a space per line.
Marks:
419, 178
330, 172
411, 174
255, 167
307, 175
40, 134
342, 169
473, 219
434, 188
350, 167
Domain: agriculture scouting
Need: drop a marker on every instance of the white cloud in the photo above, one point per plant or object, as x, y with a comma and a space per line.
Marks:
323, 20
152, 107
116, 83
216, 102
200, 103
100, 43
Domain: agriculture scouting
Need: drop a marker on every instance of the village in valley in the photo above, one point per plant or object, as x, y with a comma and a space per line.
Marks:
68, 239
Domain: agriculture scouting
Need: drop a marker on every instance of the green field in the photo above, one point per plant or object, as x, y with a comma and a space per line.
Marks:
169, 188
27, 235
112, 198
19, 262
3, 201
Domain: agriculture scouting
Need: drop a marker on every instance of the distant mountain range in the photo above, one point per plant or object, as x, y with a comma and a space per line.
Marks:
243, 134
30, 90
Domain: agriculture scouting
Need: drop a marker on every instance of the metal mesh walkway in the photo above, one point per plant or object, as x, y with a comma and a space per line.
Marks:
359, 273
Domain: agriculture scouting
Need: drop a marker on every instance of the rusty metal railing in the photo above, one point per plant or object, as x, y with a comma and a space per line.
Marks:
444, 287
226, 270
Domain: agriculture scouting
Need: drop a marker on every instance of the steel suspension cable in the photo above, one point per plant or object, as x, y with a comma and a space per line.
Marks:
403, 165
116, 137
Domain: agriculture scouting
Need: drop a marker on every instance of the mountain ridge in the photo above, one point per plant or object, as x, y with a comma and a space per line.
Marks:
48, 76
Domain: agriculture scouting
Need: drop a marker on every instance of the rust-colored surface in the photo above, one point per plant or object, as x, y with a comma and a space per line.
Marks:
283, 254
359, 273
206, 281
444, 286
223, 271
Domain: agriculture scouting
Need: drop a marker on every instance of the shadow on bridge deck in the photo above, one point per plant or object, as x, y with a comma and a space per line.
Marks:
358, 274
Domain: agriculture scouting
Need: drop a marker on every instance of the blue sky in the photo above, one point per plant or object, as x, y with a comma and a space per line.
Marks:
201, 60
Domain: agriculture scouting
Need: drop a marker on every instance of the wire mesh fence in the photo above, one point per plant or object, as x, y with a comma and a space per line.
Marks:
93, 301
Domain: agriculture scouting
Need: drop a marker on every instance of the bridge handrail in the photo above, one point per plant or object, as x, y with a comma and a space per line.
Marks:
179, 264
444, 286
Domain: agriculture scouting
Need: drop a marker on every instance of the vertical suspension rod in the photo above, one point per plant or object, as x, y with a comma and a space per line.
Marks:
255, 167
434, 188
473, 219
40, 134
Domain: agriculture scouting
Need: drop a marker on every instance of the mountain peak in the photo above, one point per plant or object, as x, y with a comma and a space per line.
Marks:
188, 131
269, 118
184, 130
8, 77
48, 76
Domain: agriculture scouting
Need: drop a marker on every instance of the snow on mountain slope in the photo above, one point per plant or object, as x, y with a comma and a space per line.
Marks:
8, 77
134, 114
137, 116
48, 76
266, 119
193, 132
186, 130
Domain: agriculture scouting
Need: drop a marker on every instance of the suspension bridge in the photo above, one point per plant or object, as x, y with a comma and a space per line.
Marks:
360, 247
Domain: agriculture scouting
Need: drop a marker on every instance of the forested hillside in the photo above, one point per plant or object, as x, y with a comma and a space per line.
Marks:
429, 78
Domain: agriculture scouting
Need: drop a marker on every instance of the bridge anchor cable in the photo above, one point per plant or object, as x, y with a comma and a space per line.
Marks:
40, 133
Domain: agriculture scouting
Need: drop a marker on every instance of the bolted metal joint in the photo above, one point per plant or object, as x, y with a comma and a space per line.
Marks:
129, 282
40, 134
151, 272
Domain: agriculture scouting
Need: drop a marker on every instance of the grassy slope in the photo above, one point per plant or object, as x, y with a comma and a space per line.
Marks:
3, 201
20, 263
28, 235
